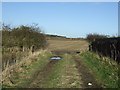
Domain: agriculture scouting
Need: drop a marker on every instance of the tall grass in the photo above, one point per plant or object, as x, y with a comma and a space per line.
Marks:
22, 73
9, 58
105, 69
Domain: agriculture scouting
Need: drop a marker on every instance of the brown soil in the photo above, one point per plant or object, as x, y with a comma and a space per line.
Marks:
86, 75
38, 80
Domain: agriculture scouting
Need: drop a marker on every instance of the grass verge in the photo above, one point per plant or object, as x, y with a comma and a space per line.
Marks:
105, 69
22, 74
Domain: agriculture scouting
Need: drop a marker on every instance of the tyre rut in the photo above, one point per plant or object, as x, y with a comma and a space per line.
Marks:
86, 75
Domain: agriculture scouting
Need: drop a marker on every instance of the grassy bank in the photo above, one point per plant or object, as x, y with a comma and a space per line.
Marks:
105, 69
9, 58
21, 74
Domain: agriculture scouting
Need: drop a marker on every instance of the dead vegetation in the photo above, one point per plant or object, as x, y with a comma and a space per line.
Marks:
11, 71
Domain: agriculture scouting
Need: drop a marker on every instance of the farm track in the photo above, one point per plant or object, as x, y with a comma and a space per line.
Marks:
86, 75
38, 80
70, 72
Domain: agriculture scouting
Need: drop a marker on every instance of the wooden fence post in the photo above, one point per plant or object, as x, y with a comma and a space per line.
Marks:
32, 49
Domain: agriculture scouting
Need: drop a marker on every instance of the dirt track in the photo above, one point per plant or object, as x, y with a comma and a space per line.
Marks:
85, 73
39, 78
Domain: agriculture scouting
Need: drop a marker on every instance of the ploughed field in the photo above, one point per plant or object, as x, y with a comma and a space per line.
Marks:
67, 45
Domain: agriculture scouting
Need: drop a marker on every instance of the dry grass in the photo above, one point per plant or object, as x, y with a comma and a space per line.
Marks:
70, 75
70, 45
64, 74
12, 55
18, 67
